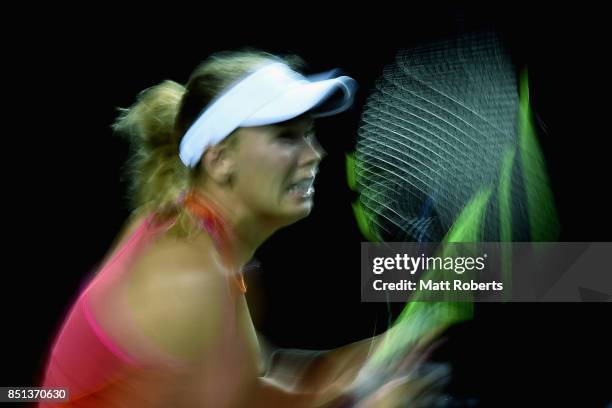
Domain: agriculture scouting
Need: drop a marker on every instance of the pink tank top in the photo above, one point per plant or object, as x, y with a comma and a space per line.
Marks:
95, 369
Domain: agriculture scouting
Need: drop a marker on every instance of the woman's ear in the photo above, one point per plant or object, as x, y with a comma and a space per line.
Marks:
219, 162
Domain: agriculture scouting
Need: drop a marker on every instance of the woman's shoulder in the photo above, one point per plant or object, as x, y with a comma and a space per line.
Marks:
173, 293
176, 266
176, 293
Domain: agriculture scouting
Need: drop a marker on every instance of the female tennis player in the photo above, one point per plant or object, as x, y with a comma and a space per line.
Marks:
219, 165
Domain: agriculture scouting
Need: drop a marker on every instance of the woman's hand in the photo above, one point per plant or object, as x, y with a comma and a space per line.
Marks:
410, 381
421, 388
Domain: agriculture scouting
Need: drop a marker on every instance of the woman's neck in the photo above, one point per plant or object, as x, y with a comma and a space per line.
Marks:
245, 231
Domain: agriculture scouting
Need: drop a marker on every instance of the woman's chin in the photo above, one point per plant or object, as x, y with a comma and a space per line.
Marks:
297, 211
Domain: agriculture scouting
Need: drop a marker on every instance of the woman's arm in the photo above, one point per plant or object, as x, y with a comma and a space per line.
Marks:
326, 374
272, 394
332, 374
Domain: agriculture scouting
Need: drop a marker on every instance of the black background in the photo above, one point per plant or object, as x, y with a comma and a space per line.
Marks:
65, 200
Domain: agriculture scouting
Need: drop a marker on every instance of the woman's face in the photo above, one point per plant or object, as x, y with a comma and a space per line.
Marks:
275, 168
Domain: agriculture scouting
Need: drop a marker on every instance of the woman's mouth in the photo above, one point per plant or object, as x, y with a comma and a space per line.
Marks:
303, 188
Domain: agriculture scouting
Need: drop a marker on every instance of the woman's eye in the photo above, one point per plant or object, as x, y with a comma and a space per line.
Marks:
289, 137
296, 137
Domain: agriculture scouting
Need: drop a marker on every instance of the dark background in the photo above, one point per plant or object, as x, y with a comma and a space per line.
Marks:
65, 200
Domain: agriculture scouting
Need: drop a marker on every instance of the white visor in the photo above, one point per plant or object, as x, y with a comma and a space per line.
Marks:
272, 94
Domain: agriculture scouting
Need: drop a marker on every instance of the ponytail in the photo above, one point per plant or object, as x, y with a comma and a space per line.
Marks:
156, 173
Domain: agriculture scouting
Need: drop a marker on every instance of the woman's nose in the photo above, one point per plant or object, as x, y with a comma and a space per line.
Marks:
313, 149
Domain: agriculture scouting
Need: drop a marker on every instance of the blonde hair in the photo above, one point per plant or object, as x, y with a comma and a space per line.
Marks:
159, 118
